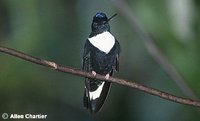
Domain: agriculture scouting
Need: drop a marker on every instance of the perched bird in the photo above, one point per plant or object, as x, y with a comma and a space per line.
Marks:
101, 56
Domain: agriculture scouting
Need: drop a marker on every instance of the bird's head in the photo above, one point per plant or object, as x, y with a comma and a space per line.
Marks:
100, 18
100, 22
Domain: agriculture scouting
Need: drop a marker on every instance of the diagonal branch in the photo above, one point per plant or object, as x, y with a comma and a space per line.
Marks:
123, 82
151, 47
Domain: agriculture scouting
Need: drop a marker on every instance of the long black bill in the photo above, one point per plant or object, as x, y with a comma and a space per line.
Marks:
111, 17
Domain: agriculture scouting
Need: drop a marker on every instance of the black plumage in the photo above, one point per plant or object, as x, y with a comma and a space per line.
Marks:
99, 61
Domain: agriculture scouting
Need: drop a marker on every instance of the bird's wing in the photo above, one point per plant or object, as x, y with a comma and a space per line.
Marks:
117, 51
86, 67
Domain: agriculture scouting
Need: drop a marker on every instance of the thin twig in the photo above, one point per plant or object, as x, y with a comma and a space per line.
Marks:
123, 82
153, 50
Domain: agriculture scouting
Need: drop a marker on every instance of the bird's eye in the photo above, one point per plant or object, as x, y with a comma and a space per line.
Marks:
95, 24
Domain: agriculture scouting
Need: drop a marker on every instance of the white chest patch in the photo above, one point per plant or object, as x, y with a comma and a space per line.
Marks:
104, 41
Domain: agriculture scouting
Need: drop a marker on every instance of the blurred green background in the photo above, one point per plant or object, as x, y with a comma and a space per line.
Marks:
56, 30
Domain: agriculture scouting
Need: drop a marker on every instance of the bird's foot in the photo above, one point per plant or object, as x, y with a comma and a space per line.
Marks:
94, 73
107, 76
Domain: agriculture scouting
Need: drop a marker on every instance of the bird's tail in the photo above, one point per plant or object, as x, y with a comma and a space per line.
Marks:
95, 94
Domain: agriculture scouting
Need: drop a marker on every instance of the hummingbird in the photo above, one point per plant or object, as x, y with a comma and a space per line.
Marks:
100, 56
